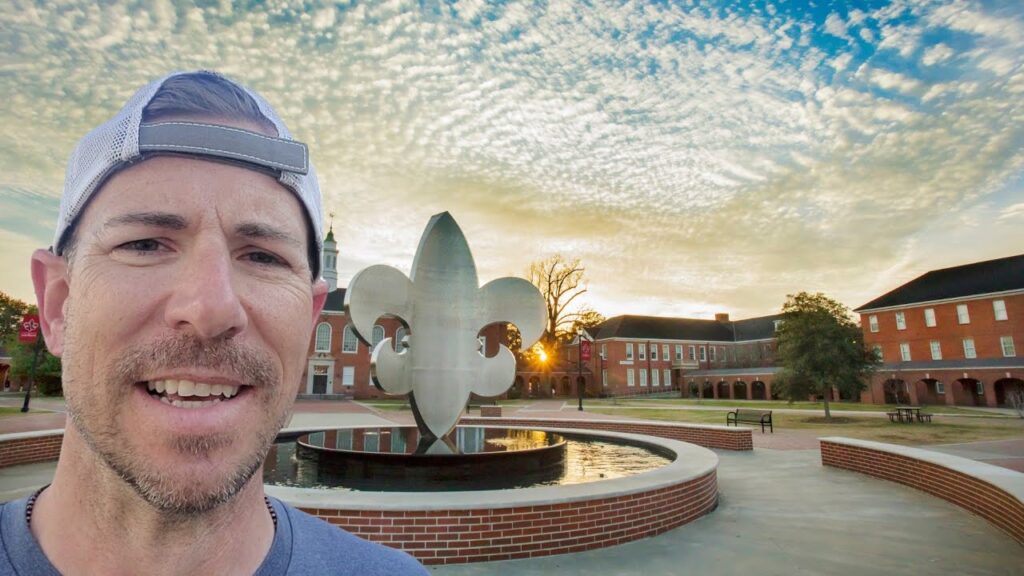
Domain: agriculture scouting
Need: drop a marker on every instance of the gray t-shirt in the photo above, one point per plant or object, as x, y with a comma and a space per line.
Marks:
302, 544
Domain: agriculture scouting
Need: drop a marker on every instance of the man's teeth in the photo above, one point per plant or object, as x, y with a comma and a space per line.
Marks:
185, 389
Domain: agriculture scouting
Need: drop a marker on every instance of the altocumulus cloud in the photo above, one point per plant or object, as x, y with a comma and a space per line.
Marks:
696, 158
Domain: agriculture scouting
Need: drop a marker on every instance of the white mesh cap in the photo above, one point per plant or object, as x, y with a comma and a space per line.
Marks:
116, 143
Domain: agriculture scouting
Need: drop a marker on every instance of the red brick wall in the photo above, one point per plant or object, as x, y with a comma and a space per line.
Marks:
30, 450
486, 534
490, 411
973, 494
706, 436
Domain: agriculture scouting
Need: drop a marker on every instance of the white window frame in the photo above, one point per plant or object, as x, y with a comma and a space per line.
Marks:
970, 351
604, 377
323, 338
349, 342
873, 323
936, 347
1006, 343
714, 353
940, 388
630, 378
901, 321
905, 351
963, 315
629, 351
377, 336
703, 353
643, 378
877, 348
604, 351
400, 333
348, 376
483, 345
643, 352
929, 317
679, 352
693, 352
655, 378
666, 377
980, 388
654, 352
664, 352
999, 310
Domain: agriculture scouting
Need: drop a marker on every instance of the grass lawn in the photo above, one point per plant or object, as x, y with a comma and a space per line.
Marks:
940, 431
400, 404
772, 404
11, 410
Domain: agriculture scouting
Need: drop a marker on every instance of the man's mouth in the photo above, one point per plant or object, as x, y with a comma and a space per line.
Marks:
189, 394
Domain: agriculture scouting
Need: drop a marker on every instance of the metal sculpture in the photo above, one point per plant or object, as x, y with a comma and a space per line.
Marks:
443, 307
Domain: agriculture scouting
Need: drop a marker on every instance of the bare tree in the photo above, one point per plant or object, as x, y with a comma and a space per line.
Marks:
561, 281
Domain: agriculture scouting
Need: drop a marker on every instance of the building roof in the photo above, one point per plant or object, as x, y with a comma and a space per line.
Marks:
335, 301
956, 364
974, 279
661, 328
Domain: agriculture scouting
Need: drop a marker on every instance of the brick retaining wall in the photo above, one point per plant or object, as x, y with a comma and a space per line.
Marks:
30, 447
708, 436
486, 534
996, 494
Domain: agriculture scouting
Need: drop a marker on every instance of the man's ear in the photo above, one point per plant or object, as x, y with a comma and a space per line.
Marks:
319, 299
50, 279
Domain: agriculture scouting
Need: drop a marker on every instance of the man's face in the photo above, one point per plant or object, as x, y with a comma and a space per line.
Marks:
188, 276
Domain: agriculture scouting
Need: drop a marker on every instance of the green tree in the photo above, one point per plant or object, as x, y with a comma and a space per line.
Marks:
587, 318
11, 310
821, 347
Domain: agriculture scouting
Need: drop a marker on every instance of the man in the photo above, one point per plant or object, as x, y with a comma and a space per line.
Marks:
181, 291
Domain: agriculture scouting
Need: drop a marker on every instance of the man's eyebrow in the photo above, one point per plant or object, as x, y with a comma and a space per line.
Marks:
156, 219
260, 231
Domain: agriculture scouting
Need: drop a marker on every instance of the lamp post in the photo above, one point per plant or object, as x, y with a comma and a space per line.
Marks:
579, 371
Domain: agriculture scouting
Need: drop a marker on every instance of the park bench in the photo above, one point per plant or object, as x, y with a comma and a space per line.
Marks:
477, 402
761, 417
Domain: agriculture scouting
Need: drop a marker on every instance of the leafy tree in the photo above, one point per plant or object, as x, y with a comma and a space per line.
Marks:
587, 318
821, 347
11, 310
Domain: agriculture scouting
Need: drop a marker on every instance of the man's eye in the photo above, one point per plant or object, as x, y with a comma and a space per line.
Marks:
264, 258
145, 245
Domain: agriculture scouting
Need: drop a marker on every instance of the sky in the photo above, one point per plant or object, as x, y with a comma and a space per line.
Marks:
697, 157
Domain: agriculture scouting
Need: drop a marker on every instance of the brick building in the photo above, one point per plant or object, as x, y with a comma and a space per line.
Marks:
717, 358
951, 336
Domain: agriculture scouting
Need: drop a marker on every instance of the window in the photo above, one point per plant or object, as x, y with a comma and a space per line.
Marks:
873, 323
693, 352
940, 388
969, 351
777, 324
936, 350
399, 336
980, 388
713, 355
999, 307
629, 377
643, 352
604, 351
483, 345
679, 352
962, 315
664, 352
666, 377
1007, 343
378, 335
654, 378
629, 351
323, 337
878, 351
929, 317
703, 354
654, 351
348, 375
901, 321
643, 377
349, 344
905, 351
604, 377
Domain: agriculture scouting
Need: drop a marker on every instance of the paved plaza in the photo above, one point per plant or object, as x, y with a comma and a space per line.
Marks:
780, 512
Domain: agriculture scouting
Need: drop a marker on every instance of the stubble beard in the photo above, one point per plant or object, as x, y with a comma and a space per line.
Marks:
97, 416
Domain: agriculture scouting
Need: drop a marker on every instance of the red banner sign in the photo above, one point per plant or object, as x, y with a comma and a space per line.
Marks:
585, 350
28, 330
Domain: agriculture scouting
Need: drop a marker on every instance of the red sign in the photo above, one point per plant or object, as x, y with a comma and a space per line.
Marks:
28, 330
585, 350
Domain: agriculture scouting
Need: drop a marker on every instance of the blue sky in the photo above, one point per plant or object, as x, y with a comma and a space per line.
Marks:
697, 157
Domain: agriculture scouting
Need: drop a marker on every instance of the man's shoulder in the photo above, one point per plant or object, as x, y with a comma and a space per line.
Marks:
319, 546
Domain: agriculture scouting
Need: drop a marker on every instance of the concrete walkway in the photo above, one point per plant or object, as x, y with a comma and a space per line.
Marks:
782, 513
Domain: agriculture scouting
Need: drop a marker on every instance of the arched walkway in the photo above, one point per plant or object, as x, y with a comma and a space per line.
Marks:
968, 392
1006, 388
739, 390
564, 388
723, 389
927, 390
896, 391
708, 391
533, 390
757, 390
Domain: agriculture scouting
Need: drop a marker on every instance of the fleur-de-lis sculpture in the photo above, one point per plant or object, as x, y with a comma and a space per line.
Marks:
440, 361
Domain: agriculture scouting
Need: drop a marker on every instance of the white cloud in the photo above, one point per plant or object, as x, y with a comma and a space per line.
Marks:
936, 54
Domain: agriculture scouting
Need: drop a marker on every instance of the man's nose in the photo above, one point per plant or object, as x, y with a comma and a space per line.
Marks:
205, 299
